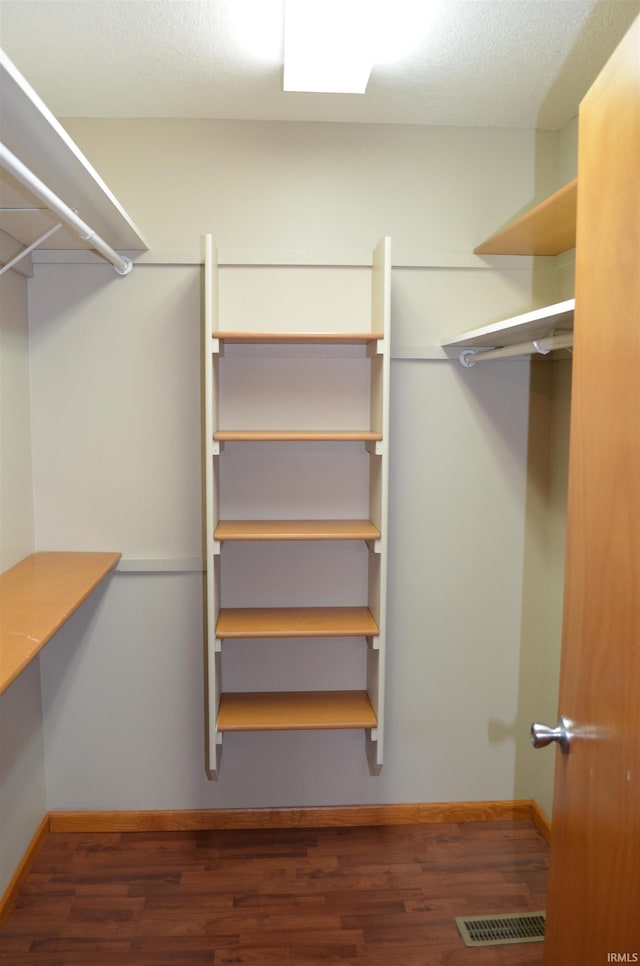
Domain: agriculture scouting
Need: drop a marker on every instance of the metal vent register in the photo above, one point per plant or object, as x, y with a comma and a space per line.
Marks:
499, 930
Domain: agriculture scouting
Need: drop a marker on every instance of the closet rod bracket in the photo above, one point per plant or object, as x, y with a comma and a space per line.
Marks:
123, 269
466, 358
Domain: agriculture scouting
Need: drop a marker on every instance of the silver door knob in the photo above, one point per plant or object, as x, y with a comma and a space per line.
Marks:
542, 735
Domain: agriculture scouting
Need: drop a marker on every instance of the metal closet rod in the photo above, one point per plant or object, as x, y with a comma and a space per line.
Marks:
470, 357
122, 265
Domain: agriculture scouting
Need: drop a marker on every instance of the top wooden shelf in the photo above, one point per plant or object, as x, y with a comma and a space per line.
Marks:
548, 229
37, 596
297, 338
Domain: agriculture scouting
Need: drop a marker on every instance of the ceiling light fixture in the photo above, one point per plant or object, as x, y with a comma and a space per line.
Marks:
328, 45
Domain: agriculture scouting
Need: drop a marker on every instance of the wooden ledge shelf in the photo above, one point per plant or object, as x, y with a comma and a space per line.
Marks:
296, 530
295, 435
548, 229
295, 711
37, 596
297, 338
270, 622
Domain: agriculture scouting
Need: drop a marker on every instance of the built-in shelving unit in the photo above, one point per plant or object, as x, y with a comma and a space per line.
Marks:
306, 708
37, 596
547, 229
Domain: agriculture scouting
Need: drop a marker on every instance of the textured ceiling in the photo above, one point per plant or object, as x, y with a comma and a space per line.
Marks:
506, 63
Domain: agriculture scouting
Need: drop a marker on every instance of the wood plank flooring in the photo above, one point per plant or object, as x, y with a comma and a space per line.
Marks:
380, 896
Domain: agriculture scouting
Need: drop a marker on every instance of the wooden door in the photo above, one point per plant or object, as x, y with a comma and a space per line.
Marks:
594, 892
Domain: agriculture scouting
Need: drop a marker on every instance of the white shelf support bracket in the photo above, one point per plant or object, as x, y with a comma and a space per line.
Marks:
376, 448
373, 643
376, 348
214, 754
374, 750
27, 251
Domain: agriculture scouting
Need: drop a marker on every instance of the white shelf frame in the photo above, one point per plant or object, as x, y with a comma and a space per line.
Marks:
379, 353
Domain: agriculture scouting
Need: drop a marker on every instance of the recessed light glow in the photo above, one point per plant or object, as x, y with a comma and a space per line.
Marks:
255, 26
328, 45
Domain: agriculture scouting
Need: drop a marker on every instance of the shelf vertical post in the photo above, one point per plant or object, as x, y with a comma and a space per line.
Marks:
379, 492
214, 738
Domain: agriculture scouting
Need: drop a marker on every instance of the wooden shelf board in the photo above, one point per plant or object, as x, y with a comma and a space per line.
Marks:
295, 435
295, 338
273, 622
37, 596
296, 530
520, 328
295, 710
548, 229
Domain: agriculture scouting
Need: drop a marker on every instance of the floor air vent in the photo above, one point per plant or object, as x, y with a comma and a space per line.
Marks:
498, 930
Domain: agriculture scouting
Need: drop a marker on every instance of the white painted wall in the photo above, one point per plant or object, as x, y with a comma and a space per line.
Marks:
116, 424
263, 185
16, 498
22, 782
546, 517
546, 513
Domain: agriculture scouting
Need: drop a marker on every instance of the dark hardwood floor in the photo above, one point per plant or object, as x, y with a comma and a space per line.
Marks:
382, 896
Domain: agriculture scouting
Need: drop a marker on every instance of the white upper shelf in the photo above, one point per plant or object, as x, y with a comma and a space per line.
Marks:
36, 137
549, 320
